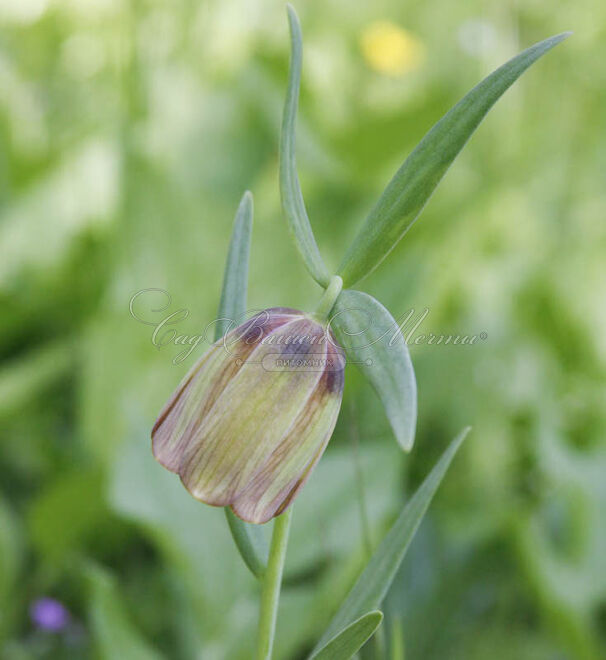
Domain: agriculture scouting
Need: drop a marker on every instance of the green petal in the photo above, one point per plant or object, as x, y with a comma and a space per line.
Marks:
196, 394
290, 464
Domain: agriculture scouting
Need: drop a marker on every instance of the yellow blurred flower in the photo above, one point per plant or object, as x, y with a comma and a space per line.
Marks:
390, 49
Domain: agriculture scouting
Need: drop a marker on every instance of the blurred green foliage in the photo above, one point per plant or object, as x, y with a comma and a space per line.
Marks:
128, 132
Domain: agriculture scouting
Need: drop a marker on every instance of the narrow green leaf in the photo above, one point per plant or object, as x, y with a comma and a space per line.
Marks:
350, 640
249, 539
114, 634
235, 277
373, 340
290, 190
415, 181
373, 584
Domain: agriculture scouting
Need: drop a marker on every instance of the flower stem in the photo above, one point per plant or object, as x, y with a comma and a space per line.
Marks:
272, 581
329, 298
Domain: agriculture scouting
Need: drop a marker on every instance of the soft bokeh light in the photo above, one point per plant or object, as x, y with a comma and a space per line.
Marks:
391, 49
23, 11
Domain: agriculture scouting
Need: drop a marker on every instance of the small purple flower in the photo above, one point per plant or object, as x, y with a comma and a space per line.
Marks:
49, 614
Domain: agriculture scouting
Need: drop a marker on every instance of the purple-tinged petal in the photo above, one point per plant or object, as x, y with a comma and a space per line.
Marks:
252, 418
247, 422
289, 466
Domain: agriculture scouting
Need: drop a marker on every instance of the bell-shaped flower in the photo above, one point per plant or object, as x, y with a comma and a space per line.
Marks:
249, 422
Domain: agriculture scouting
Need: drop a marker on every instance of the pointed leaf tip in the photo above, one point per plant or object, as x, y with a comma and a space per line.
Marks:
413, 184
293, 203
235, 279
374, 582
345, 644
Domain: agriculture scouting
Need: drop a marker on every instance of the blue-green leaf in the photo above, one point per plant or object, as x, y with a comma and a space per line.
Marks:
415, 181
373, 584
373, 340
290, 190
350, 640
235, 278
249, 539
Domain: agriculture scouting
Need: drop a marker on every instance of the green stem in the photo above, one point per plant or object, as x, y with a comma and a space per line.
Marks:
397, 639
361, 490
329, 298
272, 581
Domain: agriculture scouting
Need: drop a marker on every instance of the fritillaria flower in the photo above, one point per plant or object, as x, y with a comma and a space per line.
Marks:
249, 422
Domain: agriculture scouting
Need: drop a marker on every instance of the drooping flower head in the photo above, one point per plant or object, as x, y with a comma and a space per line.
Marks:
248, 423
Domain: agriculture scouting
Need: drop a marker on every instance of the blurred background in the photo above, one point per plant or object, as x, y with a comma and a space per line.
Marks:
128, 132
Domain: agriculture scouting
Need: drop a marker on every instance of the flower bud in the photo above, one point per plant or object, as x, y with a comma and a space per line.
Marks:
248, 423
